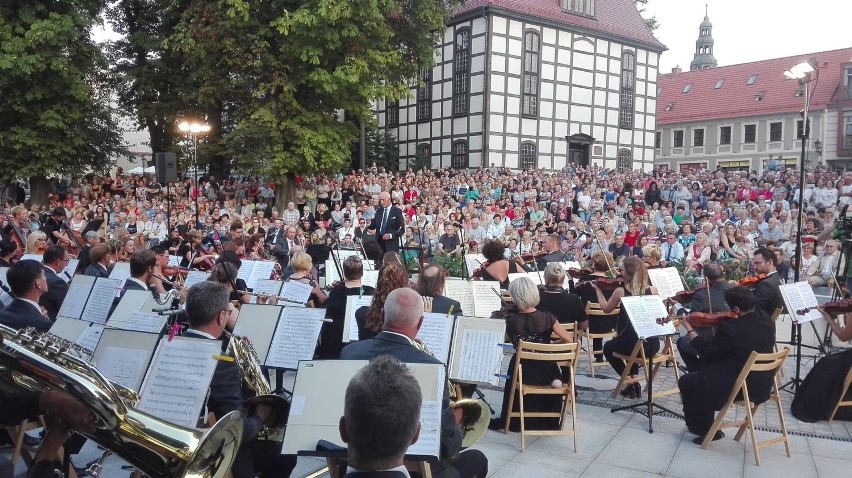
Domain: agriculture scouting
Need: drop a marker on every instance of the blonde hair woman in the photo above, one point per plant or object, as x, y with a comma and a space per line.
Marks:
36, 242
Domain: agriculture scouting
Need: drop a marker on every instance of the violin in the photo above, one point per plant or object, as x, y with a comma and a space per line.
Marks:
577, 273
683, 297
605, 284
208, 264
175, 271
530, 257
700, 319
831, 308
752, 280
479, 271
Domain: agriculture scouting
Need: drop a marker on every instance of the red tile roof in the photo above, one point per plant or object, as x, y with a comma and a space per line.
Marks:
736, 99
618, 18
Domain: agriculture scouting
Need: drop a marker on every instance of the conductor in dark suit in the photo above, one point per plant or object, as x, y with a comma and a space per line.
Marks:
705, 300
283, 245
209, 313
403, 318
55, 259
722, 360
767, 293
377, 430
431, 283
388, 224
27, 282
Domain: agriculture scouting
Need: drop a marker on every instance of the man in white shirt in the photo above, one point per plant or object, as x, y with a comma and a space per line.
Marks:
346, 230
495, 227
672, 250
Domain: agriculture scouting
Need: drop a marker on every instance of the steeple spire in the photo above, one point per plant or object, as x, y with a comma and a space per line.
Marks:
704, 45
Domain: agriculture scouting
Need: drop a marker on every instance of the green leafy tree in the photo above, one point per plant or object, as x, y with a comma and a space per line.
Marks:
55, 111
651, 22
382, 150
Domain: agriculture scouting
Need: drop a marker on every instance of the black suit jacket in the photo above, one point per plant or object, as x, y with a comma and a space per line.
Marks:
96, 270
555, 256
767, 295
282, 249
226, 395
84, 259
441, 305
394, 226
57, 288
399, 347
716, 296
375, 474
723, 357
20, 314
132, 285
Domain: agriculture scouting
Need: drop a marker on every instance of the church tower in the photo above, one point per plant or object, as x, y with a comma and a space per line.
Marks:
704, 46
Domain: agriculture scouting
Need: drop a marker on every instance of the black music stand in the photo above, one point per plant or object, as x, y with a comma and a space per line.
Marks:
93, 225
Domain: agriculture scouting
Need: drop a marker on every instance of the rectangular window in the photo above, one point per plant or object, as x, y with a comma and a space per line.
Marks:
719, 84
751, 79
776, 131
531, 61
658, 139
628, 92
848, 83
424, 96
687, 87
461, 79
392, 113
725, 135
799, 124
847, 130
678, 139
698, 137
750, 133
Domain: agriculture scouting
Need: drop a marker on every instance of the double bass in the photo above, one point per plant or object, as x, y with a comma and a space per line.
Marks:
16, 235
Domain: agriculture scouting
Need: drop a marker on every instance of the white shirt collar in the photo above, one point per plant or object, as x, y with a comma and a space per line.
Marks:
400, 469
203, 334
138, 282
33, 303
401, 335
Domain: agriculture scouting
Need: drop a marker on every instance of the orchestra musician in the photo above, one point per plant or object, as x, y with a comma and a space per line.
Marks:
598, 324
553, 248
8, 251
225, 272
28, 283
101, 261
190, 251
565, 306
303, 272
767, 292
379, 431
15, 227
710, 299
722, 359
651, 254
403, 316
91, 239
636, 282
36, 242
210, 314
431, 284
370, 319
142, 264
331, 336
52, 228
497, 267
55, 259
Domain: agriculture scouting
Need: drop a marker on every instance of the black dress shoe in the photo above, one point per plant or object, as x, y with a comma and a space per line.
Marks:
700, 439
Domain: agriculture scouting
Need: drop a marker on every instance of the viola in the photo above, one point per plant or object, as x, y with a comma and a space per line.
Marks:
752, 280
700, 319
831, 308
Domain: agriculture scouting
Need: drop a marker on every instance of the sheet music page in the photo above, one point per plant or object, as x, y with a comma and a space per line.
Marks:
331, 275
435, 334
485, 299
90, 337
798, 296
246, 268
175, 387
120, 271
481, 354
174, 261
70, 269
268, 287
370, 278
667, 281
194, 277
100, 300
460, 290
75, 299
353, 303
533, 276
295, 337
141, 321
643, 312
473, 262
4, 296
429, 442
124, 366
262, 271
296, 291
32, 257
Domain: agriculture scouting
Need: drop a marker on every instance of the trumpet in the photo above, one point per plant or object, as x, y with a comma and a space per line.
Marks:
269, 297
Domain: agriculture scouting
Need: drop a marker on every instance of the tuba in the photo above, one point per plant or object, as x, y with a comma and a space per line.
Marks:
475, 413
249, 366
34, 361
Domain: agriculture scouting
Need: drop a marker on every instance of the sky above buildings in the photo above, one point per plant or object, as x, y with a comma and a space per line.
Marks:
751, 30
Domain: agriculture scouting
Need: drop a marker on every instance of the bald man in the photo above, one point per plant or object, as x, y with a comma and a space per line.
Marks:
403, 318
388, 224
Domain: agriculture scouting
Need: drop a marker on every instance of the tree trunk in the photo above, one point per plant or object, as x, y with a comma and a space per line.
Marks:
285, 191
39, 189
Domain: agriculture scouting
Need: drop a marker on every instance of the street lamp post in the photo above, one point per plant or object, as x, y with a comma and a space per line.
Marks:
804, 73
192, 130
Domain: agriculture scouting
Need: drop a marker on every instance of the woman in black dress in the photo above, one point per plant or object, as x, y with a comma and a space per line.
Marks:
636, 282
497, 267
599, 324
532, 325
565, 306
331, 337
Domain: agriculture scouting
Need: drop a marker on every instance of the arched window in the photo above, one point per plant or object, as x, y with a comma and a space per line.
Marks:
628, 91
424, 95
625, 161
528, 155
461, 80
532, 46
460, 159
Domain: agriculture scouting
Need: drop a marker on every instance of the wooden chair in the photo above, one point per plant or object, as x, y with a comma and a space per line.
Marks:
594, 310
774, 318
19, 449
756, 362
570, 328
564, 355
840, 400
666, 355
421, 467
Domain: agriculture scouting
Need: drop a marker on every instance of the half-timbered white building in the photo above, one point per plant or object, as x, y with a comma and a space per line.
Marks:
535, 84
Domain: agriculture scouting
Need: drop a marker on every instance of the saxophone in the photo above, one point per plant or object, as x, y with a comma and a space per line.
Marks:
249, 366
475, 413
33, 361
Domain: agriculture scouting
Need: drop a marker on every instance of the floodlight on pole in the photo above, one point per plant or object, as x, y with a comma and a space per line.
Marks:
192, 130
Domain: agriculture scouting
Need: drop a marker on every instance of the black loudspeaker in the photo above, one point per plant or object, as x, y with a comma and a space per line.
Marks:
166, 164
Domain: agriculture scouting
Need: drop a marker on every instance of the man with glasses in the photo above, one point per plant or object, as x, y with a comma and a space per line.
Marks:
767, 294
55, 260
827, 265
